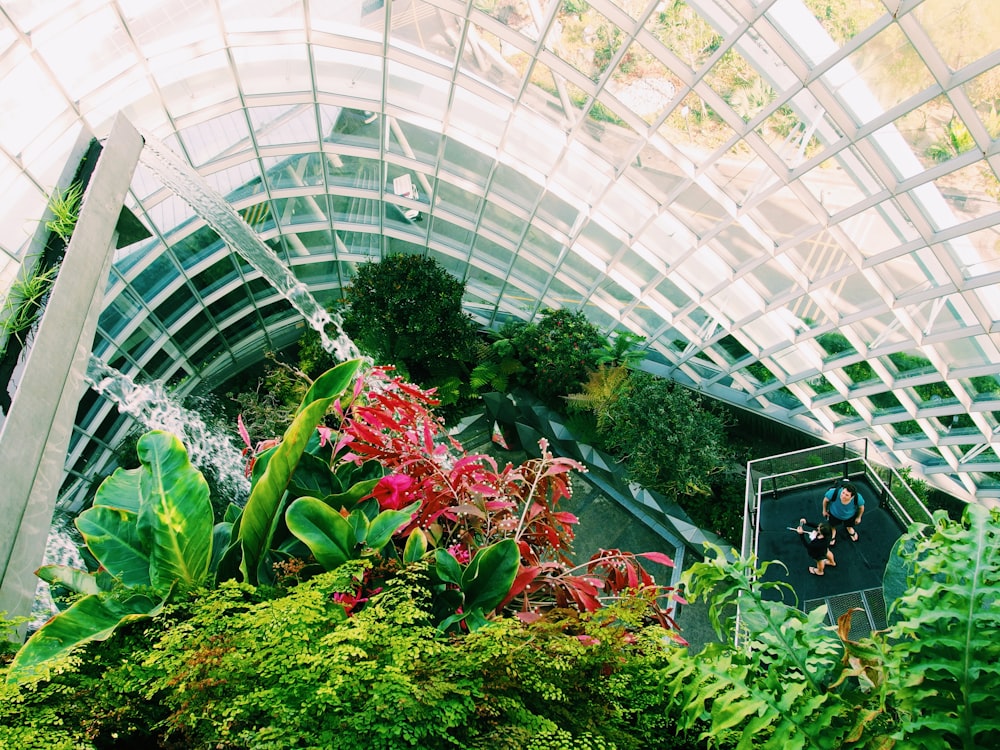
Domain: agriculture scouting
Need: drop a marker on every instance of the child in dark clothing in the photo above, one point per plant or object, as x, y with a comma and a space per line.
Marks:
816, 539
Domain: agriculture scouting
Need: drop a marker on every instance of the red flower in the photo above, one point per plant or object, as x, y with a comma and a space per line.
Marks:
391, 491
460, 553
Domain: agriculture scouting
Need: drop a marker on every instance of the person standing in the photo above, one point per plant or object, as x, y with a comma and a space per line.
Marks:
843, 505
816, 539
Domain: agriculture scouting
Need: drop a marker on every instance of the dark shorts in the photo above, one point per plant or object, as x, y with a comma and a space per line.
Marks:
849, 523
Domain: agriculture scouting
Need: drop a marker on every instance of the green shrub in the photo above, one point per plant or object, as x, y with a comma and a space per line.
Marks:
674, 440
558, 352
407, 310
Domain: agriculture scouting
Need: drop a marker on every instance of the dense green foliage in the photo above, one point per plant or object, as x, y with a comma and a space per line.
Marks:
406, 311
254, 667
672, 439
558, 353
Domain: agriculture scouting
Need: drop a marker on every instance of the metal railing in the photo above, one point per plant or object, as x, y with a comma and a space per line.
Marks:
820, 466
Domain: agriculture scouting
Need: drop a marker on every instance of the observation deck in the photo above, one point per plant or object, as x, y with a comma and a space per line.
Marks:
783, 489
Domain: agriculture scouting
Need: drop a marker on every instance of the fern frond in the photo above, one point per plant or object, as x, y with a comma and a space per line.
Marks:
946, 664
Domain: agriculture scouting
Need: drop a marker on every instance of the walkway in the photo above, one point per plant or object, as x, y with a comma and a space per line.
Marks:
856, 581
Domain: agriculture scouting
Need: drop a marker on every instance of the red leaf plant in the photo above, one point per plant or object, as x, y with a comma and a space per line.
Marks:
467, 502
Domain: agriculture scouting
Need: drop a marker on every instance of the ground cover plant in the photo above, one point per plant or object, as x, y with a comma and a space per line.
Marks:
307, 663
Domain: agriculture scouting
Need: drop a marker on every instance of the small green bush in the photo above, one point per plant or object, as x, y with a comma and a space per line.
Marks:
407, 310
558, 352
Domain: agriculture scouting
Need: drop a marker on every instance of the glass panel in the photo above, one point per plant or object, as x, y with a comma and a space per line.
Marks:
155, 277
281, 125
176, 305
644, 84
358, 127
587, 40
119, 313
736, 81
455, 200
411, 89
274, 67
913, 272
413, 141
216, 276
977, 254
452, 234
970, 192
878, 229
515, 187
683, 31
339, 71
487, 251
962, 32
207, 140
466, 162
880, 74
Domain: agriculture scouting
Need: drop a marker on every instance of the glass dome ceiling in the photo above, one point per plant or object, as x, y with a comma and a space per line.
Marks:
794, 201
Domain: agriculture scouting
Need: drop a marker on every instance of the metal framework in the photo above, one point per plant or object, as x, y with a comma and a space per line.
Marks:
798, 211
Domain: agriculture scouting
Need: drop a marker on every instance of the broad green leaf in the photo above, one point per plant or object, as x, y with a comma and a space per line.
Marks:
312, 477
349, 499
74, 579
112, 536
330, 384
120, 490
93, 618
328, 535
490, 575
222, 532
264, 505
387, 523
416, 546
359, 523
447, 567
233, 512
175, 518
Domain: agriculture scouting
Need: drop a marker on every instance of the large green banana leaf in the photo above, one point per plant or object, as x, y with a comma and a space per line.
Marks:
120, 490
112, 536
175, 516
75, 580
93, 618
256, 525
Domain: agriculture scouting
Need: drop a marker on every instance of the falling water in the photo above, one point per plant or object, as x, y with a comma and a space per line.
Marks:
242, 239
60, 549
153, 407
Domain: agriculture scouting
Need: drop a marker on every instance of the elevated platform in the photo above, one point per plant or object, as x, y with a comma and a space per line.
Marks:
856, 581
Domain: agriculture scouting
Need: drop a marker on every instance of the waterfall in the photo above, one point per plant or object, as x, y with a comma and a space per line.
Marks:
176, 174
61, 548
152, 406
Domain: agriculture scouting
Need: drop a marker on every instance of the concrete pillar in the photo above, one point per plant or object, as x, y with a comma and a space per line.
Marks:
36, 433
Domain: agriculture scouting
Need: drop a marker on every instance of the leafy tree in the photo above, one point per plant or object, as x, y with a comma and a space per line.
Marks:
672, 439
407, 311
558, 353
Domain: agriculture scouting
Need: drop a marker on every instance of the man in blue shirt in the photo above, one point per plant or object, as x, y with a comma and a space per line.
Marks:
845, 506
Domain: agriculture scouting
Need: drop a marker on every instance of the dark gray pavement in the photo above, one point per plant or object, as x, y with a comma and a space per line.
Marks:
856, 581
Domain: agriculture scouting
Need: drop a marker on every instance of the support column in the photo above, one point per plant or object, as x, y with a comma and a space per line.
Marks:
35, 436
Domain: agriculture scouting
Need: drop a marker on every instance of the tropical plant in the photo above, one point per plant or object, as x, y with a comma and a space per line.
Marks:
621, 350
672, 439
407, 311
943, 666
65, 208
783, 678
558, 353
151, 531
24, 301
496, 363
604, 387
